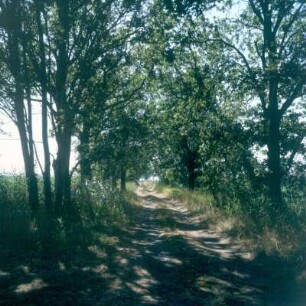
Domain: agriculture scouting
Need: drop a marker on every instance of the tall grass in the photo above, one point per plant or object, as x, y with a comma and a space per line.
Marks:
99, 204
201, 204
16, 224
94, 205
285, 240
131, 187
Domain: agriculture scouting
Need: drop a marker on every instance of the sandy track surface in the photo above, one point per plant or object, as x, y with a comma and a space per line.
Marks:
168, 257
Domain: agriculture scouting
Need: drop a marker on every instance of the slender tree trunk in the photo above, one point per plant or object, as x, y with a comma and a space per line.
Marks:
190, 162
84, 151
114, 181
274, 162
16, 70
191, 179
191, 167
43, 83
65, 119
274, 117
28, 161
62, 175
123, 179
30, 168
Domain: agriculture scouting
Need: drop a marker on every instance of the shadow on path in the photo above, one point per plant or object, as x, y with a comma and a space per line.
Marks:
168, 258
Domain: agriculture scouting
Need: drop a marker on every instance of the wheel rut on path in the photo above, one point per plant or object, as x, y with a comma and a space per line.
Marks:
168, 257
183, 262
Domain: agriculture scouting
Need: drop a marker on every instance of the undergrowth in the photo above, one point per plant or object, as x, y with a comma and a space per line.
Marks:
16, 224
99, 204
96, 208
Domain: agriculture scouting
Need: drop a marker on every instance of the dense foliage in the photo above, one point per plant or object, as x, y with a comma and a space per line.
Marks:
209, 95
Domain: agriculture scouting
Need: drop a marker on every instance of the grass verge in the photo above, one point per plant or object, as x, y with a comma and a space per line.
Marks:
96, 208
285, 241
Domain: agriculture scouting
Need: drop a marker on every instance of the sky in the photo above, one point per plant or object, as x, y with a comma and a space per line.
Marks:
11, 160
10, 150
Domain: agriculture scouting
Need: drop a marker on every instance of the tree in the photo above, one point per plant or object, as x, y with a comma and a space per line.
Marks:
119, 143
64, 47
187, 86
270, 48
76, 46
15, 58
42, 77
113, 94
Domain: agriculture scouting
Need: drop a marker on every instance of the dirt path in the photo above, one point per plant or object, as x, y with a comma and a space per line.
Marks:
167, 258
179, 261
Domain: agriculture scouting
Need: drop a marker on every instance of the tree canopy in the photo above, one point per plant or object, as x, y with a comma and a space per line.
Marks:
204, 94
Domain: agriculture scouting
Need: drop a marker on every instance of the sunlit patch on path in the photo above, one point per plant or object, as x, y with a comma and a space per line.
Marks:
168, 257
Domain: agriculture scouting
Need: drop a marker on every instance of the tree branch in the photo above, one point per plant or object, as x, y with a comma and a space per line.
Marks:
295, 151
250, 71
256, 11
293, 96
37, 158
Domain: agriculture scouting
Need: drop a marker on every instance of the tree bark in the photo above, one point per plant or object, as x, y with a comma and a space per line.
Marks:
190, 162
43, 82
16, 70
274, 161
65, 116
31, 178
85, 162
273, 115
114, 181
191, 179
123, 179
62, 174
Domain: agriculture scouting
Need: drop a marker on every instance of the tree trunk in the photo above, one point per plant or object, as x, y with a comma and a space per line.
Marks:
32, 187
85, 163
30, 168
16, 70
190, 162
191, 179
191, 168
65, 117
31, 178
274, 162
61, 170
273, 117
123, 179
43, 82
114, 180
